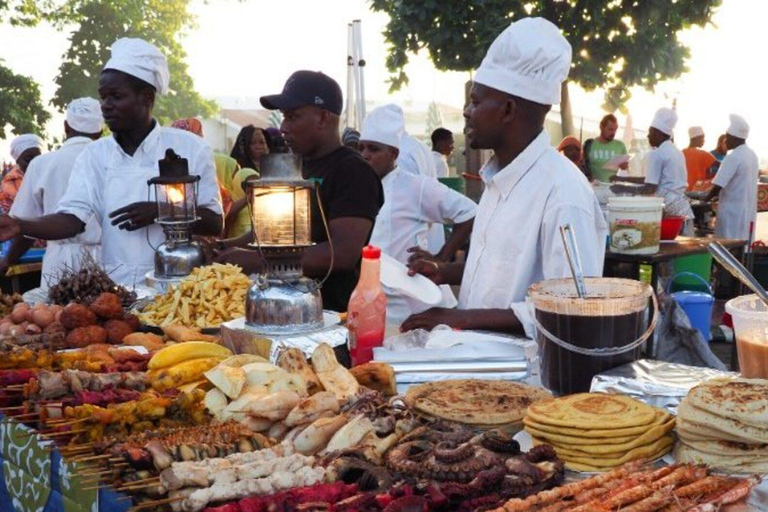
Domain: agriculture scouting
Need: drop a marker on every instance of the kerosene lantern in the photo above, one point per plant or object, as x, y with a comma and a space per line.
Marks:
282, 299
176, 197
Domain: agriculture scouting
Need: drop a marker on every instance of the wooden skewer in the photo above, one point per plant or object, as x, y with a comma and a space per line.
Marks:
3, 409
63, 433
58, 423
80, 458
137, 487
91, 488
150, 479
156, 503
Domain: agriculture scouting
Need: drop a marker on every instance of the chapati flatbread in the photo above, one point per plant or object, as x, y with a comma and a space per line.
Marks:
730, 463
687, 429
602, 463
593, 410
600, 434
749, 433
729, 448
592, 447
743, 400
475, 402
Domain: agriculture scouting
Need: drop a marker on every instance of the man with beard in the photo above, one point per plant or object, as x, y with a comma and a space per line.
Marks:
603, 149
531, 190
109, 178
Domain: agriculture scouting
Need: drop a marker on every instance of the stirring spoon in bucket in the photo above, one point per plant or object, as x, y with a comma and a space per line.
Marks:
734, 266
574, 261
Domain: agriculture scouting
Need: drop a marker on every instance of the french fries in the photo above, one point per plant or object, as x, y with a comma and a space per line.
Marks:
208, 297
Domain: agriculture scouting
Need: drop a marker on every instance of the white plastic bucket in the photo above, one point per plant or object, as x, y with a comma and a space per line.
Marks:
635, 224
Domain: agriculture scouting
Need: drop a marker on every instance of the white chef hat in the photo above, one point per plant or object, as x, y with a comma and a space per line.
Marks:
530, 59
84, 115
138, 58
385, 125
665, 120
24, 142
738, 128
695, 131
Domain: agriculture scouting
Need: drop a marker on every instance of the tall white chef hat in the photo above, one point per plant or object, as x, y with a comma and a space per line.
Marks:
138, 58
24, 142
695, 131
84, 115
665, 120
385, 125
738, 128
530, 59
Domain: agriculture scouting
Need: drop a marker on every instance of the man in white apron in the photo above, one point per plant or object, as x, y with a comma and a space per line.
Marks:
45, 183
736, 185
412, 204
109, 180
531, 190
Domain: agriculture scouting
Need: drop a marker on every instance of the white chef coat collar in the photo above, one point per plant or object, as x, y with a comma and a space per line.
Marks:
74, 141
148, 144
506, 179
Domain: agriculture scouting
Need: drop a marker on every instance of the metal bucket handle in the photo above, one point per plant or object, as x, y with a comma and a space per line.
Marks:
604, 352
688, 274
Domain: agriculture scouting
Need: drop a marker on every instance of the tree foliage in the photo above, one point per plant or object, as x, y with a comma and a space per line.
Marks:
101, 22
617, 44
20, 104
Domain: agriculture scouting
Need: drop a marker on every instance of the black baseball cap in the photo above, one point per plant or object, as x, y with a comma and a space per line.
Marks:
305, 88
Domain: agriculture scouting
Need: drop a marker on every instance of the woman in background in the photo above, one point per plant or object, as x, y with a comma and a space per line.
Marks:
250, 145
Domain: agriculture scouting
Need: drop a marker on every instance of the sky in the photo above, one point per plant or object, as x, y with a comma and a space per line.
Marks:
245, 49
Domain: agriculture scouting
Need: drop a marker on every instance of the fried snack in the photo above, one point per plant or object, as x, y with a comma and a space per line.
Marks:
182, 334
208, 297
117, 330
149, 341
77, 315
376, 376
332, 375
107, 306
293, 360
85, 336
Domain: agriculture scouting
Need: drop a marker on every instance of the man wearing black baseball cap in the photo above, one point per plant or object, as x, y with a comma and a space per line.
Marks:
350, 190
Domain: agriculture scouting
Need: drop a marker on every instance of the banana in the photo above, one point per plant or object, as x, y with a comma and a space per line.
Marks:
180, 352
183, 373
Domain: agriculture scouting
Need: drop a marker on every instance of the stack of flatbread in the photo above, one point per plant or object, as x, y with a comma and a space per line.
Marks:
724, 423
483, 404
597, 432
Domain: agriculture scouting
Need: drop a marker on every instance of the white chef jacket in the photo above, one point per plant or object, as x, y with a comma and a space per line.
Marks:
737, 208
667, 170
415, 157
105, 178
44, 183
411, 205
441, 164
516, 238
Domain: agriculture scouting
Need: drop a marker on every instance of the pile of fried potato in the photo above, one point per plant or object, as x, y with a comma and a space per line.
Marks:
208, 297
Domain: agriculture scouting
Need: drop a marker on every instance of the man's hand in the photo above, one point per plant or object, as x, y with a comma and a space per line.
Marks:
624, 166
433, 317
9, 227
135, 216
428, 268
417, 253
249, 260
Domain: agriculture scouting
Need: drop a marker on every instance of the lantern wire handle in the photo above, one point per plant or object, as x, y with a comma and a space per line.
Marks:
146, 231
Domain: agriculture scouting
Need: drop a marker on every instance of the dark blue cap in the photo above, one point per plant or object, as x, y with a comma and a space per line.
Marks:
305, 88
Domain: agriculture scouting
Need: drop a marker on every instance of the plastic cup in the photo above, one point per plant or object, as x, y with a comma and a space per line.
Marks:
750, 325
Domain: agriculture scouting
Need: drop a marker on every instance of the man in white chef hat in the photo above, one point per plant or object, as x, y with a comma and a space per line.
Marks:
531, 190
412, 204
44, 184
736, 185
698, 162
109, 178
24, 149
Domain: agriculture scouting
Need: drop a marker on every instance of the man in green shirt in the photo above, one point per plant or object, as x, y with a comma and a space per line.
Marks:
599, 151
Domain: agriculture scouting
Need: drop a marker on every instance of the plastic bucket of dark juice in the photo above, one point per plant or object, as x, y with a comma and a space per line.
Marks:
581, 337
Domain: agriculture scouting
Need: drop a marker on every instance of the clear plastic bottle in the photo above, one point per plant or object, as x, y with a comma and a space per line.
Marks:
367, 310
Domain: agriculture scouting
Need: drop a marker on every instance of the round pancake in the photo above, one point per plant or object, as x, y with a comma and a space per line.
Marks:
648, 452
475, 402
586, 449
599, 433
592, 410
686, 411
589, 468
743, 400
730, 463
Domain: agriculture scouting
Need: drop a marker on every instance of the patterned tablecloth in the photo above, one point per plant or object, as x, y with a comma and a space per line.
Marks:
36, 478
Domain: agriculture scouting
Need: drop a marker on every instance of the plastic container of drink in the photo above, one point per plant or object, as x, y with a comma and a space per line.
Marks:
750, 325
367, 310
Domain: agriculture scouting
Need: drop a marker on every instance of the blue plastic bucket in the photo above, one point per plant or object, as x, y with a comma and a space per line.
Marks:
697, 305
